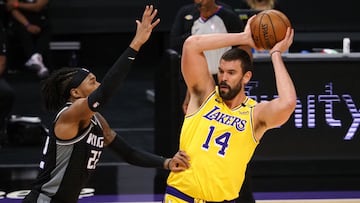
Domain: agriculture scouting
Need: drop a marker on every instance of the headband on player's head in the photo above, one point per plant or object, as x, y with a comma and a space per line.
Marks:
76, 80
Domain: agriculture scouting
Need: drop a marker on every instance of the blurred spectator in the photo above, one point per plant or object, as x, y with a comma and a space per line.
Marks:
30, 27
6, 92
202, 13
261, 4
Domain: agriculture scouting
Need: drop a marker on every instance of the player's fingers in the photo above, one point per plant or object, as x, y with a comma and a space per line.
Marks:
149, 9
137, 23
289, 36
147, 15
181, 161
183, 154
179, 168
154, 13
155, 23
250, 19
184, 158
292, 34
146, 12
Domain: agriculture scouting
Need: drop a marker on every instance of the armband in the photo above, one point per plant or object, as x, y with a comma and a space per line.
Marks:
271, 53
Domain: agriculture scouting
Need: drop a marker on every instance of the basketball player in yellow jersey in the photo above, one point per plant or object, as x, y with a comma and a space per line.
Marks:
223, 126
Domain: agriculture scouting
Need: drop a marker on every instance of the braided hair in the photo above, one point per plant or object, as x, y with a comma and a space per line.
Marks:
53, 88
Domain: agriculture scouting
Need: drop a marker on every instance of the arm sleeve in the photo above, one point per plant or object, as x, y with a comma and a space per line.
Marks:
135, 156
112, 80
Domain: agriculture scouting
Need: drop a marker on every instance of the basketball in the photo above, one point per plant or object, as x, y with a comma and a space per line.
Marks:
269, 27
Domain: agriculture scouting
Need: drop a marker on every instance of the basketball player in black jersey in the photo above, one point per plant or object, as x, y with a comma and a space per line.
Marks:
79, 133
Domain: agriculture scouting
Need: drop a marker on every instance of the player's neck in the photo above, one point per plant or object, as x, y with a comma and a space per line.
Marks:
208, 11
236, 101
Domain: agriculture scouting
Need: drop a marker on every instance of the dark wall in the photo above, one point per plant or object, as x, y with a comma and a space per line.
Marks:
102, 49
97, 16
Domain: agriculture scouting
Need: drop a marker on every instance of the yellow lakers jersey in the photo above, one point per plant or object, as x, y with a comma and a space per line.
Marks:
220, 143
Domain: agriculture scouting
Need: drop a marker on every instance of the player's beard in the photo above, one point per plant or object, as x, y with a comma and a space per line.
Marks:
232, 91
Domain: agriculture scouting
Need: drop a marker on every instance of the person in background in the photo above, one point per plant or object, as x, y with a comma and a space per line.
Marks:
223, 126
261, 4
207, 17
30, 25
7, 94
203, 17
79, 132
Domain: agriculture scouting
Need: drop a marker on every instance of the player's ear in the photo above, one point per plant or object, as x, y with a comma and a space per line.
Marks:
74, 92
247, 77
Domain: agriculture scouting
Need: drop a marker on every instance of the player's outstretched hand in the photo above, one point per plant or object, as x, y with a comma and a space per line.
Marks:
179, 162
284, 44
145, 27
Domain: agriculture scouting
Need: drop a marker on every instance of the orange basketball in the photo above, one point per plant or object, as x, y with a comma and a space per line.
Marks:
269, 27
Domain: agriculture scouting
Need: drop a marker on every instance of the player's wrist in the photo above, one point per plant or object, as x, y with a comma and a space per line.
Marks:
167, 164
275, 52
136, 45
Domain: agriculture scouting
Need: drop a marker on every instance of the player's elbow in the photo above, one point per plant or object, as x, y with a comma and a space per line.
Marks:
289, 105
191, 43
292, 102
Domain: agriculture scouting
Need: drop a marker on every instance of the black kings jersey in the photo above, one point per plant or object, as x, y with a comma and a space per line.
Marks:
67, 165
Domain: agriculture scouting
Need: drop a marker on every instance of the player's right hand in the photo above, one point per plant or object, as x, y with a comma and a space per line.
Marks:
248, 33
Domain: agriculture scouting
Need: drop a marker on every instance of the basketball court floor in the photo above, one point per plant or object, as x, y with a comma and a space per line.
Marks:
275, 197
293, 197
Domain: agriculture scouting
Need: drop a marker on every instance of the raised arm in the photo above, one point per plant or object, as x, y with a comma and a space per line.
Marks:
277, 111
79, 113
36, 6
18, 16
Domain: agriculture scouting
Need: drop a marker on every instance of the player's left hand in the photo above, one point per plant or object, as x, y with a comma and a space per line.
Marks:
248, 33
284, 44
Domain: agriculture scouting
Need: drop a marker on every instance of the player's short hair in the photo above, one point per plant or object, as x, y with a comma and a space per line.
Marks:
239, 54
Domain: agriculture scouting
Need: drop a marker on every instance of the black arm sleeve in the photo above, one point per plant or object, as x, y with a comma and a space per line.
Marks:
112, 80
135, 156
